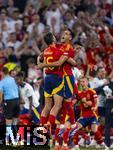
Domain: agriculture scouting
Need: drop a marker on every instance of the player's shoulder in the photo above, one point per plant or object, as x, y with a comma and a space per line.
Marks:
28, 86
47, 49
92, 90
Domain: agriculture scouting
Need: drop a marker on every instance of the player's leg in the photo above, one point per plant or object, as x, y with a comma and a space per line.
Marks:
48, 99
68, 94
108, 123
75, 135
9, 113
61, 117
46, 110
57, 92
55, 109
97, 134
68, 106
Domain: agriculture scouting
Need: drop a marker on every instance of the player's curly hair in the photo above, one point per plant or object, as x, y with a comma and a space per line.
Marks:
48, 38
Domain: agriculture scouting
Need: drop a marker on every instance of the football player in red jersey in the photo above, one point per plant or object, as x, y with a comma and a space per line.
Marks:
89, 99
66, 38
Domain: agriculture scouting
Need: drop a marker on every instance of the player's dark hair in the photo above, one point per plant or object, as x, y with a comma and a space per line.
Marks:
71, 33
5, 70
20, 74
98, 69
48, 38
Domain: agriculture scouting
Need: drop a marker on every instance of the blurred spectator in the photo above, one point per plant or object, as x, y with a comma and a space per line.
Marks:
29, 11
100, 78
33, 72
69, 19
20, 4
80, 65
53, 17
36, 26
12, 42
2, 44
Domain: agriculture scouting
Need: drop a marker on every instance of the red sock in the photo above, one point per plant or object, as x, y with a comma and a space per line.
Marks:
101, 128
65, 135
52, 119
69, 107
83, 133
43, 120
75, 138
56, 134
62, 116
98, 137
21, 133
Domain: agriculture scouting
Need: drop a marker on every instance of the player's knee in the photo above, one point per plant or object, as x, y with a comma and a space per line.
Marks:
94, 129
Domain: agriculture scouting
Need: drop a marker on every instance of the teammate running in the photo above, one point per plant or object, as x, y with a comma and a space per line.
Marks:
89, 99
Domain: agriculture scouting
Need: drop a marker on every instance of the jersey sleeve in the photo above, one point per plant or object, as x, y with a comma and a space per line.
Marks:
68, 50
80, 95
29, 91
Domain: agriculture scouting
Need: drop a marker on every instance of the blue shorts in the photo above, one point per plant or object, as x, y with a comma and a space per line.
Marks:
68, 86
53, 84
35, 114
87, 121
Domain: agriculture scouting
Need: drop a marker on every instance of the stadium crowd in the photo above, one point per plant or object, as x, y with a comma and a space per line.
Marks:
23, 26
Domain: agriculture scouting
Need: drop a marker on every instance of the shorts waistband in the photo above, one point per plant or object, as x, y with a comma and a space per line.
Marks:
13, 99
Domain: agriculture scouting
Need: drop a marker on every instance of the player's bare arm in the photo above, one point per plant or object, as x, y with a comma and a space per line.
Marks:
58, 63
71, 61
96, 104
86, 103
54, 64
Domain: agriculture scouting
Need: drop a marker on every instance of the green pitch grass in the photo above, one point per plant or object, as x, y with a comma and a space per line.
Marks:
90, 148
31, 148
40, 148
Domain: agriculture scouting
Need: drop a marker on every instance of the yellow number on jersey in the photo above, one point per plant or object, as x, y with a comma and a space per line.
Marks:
48, 62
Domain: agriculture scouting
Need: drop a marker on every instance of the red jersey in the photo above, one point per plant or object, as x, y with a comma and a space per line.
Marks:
52, 54
68, 51
90, 95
